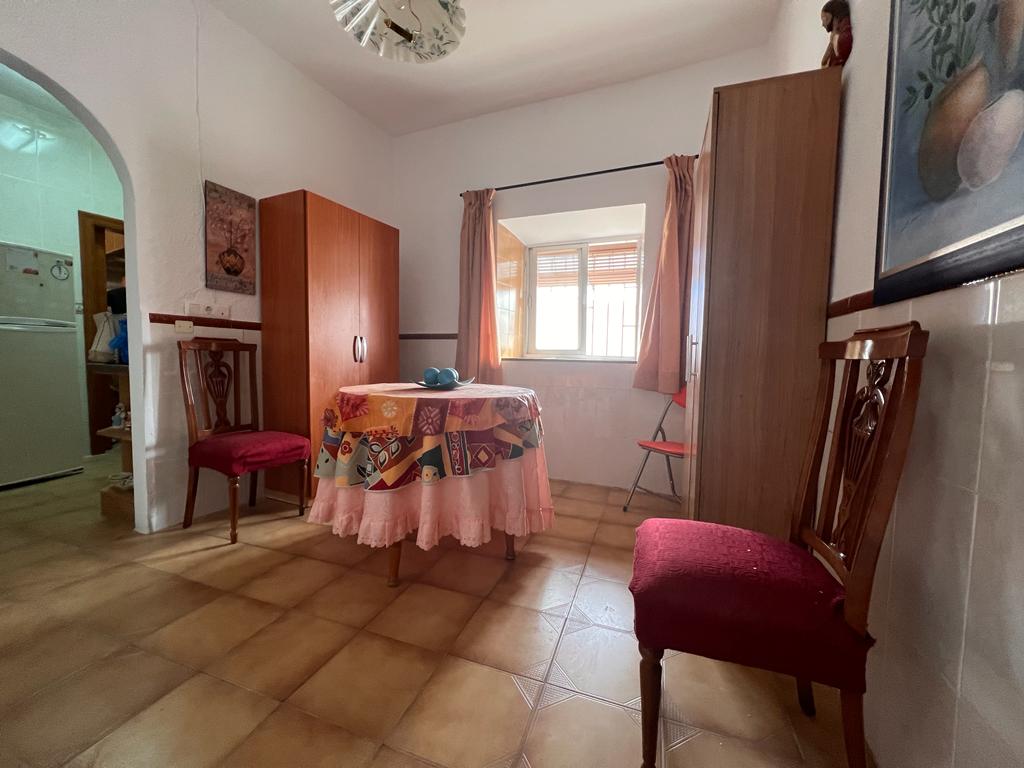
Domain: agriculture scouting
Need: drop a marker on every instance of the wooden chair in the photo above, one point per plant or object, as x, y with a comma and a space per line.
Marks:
226, 443
660, 444
745, 597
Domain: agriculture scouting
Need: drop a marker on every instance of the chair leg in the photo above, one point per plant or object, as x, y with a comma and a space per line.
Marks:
253, 482
303, 481
394, 562
233, 506
805, 695
853, 728
190, 496
671, 477
636, 482
510, 547
650, 703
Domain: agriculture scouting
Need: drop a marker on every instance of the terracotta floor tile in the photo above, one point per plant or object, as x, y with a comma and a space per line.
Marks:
38, 551
13, 537
354, 599
39, 661
23, 621
588, 510
658, 505
709, 750
197, 638
573, 528
633, 518
26, 510
415, 561
223, 565
558, 487
596, 493
290, 738
599, 662
368, 684
467, 716
728, 699
462, 571
575, 730
554, 553
140, 613
612, 563
196, 725
537, 588
291, 582
81, 599
32, 581
612, 535
496, 546
607, 603
266, 510
335, 549
57, 724
426, 616
275, 532
281, 656
509, 637
388, 758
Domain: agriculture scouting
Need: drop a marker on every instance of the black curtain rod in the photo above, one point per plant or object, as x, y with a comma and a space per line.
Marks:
578, 176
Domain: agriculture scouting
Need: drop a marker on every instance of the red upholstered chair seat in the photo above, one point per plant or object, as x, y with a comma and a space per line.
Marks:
237, 453
667, 447
745, 597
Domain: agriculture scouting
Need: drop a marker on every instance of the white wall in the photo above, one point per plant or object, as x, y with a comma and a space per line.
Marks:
946, 679
640, 121
176, 93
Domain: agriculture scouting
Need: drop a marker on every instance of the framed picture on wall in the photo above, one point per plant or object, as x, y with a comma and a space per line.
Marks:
230, 240
952, 195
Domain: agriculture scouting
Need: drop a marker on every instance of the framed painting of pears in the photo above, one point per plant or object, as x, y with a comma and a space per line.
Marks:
952, 196
230, 240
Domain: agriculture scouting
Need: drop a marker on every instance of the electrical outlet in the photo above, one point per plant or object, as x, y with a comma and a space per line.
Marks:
196, 309
183, 326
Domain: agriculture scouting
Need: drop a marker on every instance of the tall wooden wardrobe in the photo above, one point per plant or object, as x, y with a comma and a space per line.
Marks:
329, 305
763, 192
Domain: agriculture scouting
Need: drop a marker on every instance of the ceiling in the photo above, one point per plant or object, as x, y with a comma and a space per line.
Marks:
570, 226
514, 51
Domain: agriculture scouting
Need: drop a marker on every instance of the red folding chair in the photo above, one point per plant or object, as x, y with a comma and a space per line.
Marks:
660, 444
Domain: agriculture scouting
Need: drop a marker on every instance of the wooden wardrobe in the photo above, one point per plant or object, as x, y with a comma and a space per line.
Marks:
764, 191
329, 305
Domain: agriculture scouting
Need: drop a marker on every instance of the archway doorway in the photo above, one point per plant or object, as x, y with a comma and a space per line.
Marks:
57, 180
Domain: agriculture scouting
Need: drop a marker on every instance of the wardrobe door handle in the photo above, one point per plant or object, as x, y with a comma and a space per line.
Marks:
355, 349
365, 349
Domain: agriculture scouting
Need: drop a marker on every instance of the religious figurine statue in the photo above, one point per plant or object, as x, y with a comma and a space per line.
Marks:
835, 18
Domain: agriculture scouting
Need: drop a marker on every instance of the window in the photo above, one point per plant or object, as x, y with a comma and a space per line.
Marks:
582, 299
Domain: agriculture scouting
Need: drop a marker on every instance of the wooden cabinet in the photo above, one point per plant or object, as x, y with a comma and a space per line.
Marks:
764, 193
329, 304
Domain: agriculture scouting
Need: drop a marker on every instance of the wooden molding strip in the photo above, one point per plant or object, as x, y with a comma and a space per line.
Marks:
428, 336
206, 322
858, 302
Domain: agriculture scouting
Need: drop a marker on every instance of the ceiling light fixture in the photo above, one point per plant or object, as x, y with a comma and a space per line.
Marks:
405, 30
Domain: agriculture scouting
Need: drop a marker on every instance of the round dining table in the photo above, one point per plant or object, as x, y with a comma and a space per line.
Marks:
399, 458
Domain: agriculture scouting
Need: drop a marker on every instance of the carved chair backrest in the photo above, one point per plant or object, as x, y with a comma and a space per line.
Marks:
211, 383
844, 518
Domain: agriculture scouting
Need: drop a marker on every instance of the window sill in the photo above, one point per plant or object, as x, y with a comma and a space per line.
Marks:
569, 360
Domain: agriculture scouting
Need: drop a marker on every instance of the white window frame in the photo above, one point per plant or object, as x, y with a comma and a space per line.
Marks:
530, 287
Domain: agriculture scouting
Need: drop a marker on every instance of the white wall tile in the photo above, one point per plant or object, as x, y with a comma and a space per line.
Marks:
989, 732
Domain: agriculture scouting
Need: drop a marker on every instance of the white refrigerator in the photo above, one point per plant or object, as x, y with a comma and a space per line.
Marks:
41, 410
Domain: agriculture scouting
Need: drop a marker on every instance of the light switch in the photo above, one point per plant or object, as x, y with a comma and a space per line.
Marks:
183, 326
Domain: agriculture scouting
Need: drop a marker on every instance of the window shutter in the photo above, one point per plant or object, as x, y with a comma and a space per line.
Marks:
609, 263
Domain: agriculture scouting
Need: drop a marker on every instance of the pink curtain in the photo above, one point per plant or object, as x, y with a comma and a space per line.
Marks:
477, 350
661, 362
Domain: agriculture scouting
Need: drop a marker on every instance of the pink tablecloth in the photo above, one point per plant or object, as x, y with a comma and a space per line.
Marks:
397, 458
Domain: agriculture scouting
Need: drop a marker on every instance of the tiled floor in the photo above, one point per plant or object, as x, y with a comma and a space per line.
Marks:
287, 649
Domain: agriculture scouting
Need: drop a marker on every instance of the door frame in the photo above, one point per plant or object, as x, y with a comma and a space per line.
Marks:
93, 261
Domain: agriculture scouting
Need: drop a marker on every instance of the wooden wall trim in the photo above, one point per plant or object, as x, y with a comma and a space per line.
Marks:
427, 336
206, 322
858, 302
